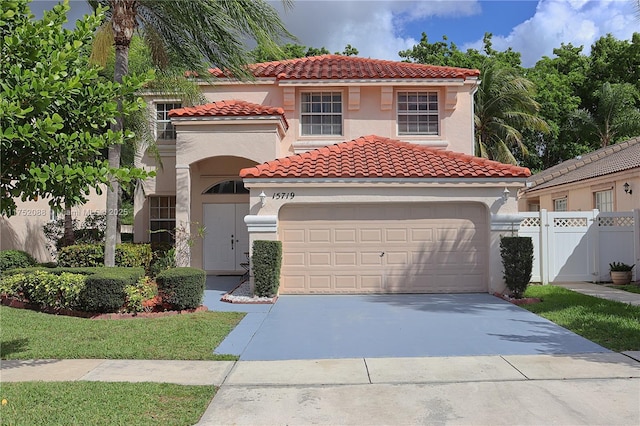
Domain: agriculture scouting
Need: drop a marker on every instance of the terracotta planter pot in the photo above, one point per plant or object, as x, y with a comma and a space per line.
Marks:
621, 277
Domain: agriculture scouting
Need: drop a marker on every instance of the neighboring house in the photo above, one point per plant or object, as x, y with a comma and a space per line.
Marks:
406, 209
24, 230
607, 179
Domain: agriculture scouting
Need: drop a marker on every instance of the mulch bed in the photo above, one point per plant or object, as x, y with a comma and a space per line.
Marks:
523, 301
15, 303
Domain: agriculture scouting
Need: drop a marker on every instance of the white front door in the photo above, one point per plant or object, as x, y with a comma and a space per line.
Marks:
226, 241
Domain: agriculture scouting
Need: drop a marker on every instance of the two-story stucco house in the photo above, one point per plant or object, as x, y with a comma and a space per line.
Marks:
363, 168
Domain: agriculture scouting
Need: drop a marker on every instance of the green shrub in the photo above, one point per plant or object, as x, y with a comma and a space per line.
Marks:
266, 261
105, 289
10, 259
182, 288
133, 255
92, 255
517, 259
44, 288
81, 255
163, 260
145, 289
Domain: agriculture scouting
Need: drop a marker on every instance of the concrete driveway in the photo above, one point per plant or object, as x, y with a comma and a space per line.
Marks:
378, 326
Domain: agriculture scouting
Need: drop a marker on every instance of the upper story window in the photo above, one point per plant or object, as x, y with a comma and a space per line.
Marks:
418, 113
164, 128
603, 200
321, 113
228, 187
560, 204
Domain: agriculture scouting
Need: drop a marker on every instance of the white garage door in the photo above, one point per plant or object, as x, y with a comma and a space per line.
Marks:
400, 248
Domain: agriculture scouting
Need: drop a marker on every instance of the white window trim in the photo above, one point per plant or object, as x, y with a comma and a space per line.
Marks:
435, 113
562, 199
168, 120
597, 204
301, 114
152, 219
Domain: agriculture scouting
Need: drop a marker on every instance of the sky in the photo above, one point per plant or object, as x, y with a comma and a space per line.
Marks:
380, 29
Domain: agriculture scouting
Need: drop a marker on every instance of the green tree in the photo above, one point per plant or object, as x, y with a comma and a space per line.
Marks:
349, 51
197, 34
441, 53
504, 107
55, 109
613, 118
557, 81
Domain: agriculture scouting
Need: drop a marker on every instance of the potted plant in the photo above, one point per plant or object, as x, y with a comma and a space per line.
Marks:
620, 273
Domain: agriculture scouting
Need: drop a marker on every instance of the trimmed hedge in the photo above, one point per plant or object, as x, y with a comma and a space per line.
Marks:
182, 288
266, 261
10, 259
92, 255
104, 290
44, 288
517, 259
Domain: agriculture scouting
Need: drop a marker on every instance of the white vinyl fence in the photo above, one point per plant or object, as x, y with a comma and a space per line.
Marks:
578, 246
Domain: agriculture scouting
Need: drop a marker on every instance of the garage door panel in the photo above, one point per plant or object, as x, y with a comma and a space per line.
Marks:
427, 249
371, 283
371, 235
319, 282
345, 259
319, 259
421, 234
293, 259
370, 258
397, 258
345, 235
319, 236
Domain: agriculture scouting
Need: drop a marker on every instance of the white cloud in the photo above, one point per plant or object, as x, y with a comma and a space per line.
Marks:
375, 28
579, 22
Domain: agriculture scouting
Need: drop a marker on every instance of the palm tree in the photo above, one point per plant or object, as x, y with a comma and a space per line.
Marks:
198, 34
504, 107
613, 118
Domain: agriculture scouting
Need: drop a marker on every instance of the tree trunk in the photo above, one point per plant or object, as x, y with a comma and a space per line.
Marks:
68, 237
124, 23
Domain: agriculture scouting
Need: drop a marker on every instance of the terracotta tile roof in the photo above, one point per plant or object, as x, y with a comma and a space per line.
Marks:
337, 67
379, 157
233, 108
611, 159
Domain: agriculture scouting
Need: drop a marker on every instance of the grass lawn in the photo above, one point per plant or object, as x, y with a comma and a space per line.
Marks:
614, 325
631, 288
95, 403
28, 334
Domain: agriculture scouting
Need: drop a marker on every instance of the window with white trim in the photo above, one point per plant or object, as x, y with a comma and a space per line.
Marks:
164, 128
603, 200
162, 218
560, 204
321, 113
418, 113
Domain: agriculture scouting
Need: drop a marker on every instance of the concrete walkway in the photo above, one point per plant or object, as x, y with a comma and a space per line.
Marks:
591, 388
603, 292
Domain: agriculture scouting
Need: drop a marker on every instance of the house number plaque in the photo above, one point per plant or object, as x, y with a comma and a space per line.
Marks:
283, 195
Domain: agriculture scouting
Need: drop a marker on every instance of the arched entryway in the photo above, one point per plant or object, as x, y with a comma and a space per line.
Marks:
219, 204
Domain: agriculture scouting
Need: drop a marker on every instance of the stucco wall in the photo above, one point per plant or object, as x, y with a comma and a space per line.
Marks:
365, 117
23, 231
580, 194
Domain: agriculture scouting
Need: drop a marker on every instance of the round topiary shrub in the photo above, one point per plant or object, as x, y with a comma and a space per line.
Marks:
10, 259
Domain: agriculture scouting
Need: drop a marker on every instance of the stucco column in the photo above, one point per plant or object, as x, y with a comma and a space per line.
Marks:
183, 215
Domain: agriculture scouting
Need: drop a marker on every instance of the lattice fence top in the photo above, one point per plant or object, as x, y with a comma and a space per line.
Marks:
530, 222
570, 222
622, 221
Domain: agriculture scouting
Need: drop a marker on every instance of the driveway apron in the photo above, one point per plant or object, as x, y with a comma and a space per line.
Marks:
416, 325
